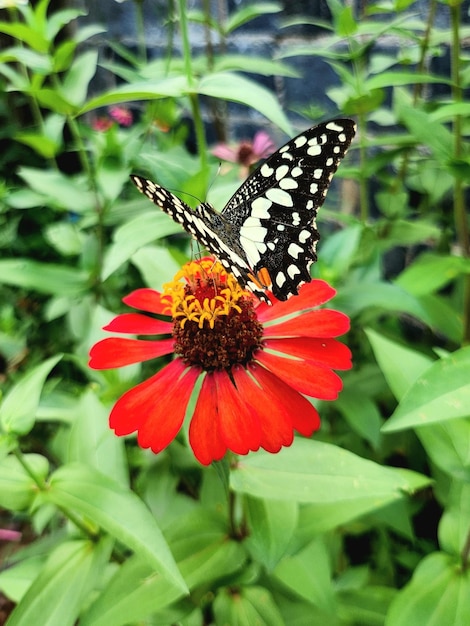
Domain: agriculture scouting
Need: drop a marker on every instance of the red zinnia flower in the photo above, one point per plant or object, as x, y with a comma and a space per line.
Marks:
246, 153
257, 363
102, 124
122, 115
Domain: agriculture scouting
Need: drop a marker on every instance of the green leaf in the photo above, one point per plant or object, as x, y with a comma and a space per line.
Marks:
65, 237
24, 33
116, 509
361, 413
18, 489
248, 13
313, 471
43, 277
58, 592
400, 365
16, 578
369, 294
271, 527
77, 79
18, 409
448, 446
135, 234
59, 19
400, 232
93, 443
133, 593
439, 593
396, 79
430, 272
338, 251
59, 190
53, 100
35, 61
246, 606
230, 86
426, 131
453, 525
345, 22
254, 65
44, 146
442, 393
202, 549
173, 87
156, 265
310, 583
367, 606
444, 316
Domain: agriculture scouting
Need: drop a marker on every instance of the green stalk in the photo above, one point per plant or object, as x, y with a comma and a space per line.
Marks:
193, 96
358, 65
460, 214
418, 87
141, 43
42, 486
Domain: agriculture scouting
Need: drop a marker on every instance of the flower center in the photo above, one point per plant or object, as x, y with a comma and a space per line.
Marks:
246, 155
215, 324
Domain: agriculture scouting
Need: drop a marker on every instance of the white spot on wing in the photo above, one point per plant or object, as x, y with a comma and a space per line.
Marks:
280, 279
300, 141
288, 183
260, 207
294, 250
279, 196
314, 150
336, 127
266, 171
281, 171
293, 270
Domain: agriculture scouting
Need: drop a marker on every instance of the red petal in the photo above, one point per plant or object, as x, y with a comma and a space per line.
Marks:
310, 295
304, 416
275, 421
138, 324
118, 351
307, 377
146, 300
239, 426
326, 352
321, 323
204, 430
156, 407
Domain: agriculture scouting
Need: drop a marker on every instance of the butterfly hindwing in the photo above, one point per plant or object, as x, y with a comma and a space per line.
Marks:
266, 235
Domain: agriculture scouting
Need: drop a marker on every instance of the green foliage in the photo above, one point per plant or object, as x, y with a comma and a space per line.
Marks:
326, 531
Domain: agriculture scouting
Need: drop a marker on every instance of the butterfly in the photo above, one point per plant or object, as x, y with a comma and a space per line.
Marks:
266, 234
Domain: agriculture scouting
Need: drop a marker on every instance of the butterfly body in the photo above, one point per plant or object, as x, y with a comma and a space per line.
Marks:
266, 234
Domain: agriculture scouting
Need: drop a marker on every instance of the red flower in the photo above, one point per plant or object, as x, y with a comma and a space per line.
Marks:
121, 115
101, 124
246, 153
257, 363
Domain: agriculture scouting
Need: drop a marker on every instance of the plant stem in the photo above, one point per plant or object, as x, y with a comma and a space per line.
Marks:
193, 96
460, 214
465, 554
141, 43
418, 87
42, 486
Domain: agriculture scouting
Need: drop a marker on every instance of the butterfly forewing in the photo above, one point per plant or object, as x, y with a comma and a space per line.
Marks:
266, 234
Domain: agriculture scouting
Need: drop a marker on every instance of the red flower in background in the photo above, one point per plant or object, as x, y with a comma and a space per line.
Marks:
257, 363
246, 153
122, 115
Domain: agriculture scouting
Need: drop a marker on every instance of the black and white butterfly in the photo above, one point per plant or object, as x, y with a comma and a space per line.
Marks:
266, 235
